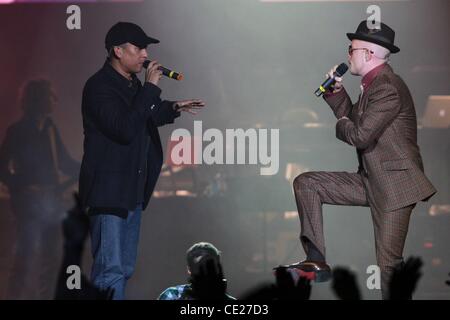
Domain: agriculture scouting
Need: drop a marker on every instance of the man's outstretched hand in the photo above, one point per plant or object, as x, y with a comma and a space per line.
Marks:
191, 106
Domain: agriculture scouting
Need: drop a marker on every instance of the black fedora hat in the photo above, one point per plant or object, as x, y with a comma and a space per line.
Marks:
384, 36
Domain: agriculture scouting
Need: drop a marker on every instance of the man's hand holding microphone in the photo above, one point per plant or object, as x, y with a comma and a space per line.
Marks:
154, 73
333, 81
337, 86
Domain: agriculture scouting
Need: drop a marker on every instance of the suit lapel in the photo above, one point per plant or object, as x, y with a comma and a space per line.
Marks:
364, 97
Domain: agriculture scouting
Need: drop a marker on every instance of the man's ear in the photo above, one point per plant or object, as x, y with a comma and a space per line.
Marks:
118, 52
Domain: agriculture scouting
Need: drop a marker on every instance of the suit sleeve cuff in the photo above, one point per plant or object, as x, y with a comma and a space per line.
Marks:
174, 113
335, 100
329, 95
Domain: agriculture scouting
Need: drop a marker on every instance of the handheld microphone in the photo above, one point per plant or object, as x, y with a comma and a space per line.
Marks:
340, 71
168, 73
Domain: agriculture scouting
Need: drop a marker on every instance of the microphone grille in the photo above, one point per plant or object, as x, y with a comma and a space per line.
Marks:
341, 69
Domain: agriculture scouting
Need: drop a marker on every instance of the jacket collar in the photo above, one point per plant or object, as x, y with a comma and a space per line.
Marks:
120, 78
367, 80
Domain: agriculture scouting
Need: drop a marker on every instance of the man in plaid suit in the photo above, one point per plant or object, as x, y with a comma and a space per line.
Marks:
382, 126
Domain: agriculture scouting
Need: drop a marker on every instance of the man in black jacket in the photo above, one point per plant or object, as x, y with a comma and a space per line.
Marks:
122, 151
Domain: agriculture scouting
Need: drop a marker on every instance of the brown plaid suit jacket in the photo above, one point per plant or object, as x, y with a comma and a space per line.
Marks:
382, 126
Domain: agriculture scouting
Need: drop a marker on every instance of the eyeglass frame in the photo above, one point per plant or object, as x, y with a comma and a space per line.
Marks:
350, 50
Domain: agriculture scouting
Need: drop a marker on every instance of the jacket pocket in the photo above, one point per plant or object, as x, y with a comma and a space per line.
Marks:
394, 165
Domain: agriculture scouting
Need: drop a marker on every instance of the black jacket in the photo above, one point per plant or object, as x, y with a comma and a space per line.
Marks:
122, 149
27, 157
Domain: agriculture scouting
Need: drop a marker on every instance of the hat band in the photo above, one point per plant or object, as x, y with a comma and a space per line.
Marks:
377, 37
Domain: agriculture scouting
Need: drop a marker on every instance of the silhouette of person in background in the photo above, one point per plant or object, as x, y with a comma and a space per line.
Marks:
33, 160
206, 279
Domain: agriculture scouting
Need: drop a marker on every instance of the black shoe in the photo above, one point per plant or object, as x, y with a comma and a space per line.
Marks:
320, 269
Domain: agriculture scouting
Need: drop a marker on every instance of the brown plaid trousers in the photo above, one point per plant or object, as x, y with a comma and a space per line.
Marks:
382, 126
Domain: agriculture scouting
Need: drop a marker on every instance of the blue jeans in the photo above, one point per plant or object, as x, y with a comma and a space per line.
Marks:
114, 243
